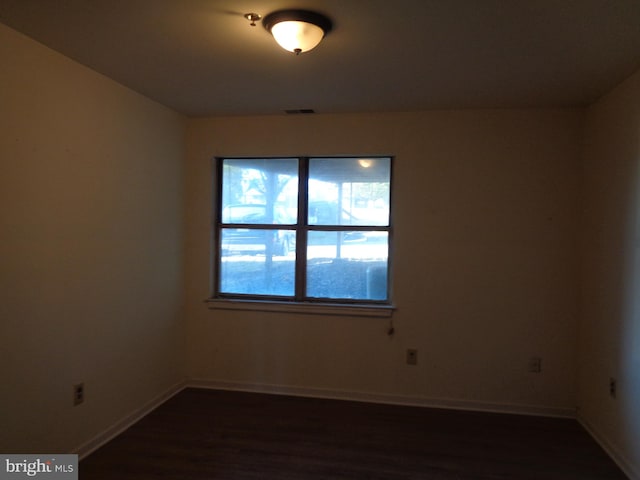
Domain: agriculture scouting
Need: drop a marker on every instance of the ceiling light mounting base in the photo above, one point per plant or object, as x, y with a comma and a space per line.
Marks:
253, 18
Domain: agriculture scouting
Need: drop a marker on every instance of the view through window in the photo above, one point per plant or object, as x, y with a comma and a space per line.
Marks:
303, 229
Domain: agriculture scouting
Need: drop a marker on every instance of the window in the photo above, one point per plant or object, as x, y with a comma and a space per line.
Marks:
303, 229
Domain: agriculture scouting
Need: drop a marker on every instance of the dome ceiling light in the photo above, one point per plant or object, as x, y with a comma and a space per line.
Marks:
297, 30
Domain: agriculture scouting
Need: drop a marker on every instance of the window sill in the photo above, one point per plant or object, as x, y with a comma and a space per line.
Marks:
338, 309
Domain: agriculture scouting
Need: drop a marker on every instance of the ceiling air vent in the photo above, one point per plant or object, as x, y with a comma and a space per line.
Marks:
297, 111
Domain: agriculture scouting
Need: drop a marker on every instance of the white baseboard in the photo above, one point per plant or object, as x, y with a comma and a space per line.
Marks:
384, 398
630, 470
99, 440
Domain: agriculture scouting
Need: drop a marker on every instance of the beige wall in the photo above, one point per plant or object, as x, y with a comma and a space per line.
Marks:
610, 333
485, 272
90, 250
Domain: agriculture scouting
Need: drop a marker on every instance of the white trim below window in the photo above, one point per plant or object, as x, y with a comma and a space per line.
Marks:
340, 309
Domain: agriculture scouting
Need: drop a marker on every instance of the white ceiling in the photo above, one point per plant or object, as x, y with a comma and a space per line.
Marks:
201, 57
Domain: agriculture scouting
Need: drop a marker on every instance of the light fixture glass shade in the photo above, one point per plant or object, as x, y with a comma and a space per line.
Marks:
297, 36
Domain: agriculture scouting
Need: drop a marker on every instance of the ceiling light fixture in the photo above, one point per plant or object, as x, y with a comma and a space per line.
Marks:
297, 30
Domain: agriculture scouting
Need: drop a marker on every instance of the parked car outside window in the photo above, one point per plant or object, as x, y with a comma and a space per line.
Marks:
255, 240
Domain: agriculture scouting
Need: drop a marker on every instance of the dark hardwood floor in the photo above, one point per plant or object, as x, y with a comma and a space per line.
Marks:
209, 434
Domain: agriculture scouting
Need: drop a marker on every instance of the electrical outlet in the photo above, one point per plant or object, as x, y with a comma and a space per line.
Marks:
78, 394
535, 365
613, 387
412, 356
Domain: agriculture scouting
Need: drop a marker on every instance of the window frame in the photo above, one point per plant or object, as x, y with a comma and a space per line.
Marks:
299, 302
